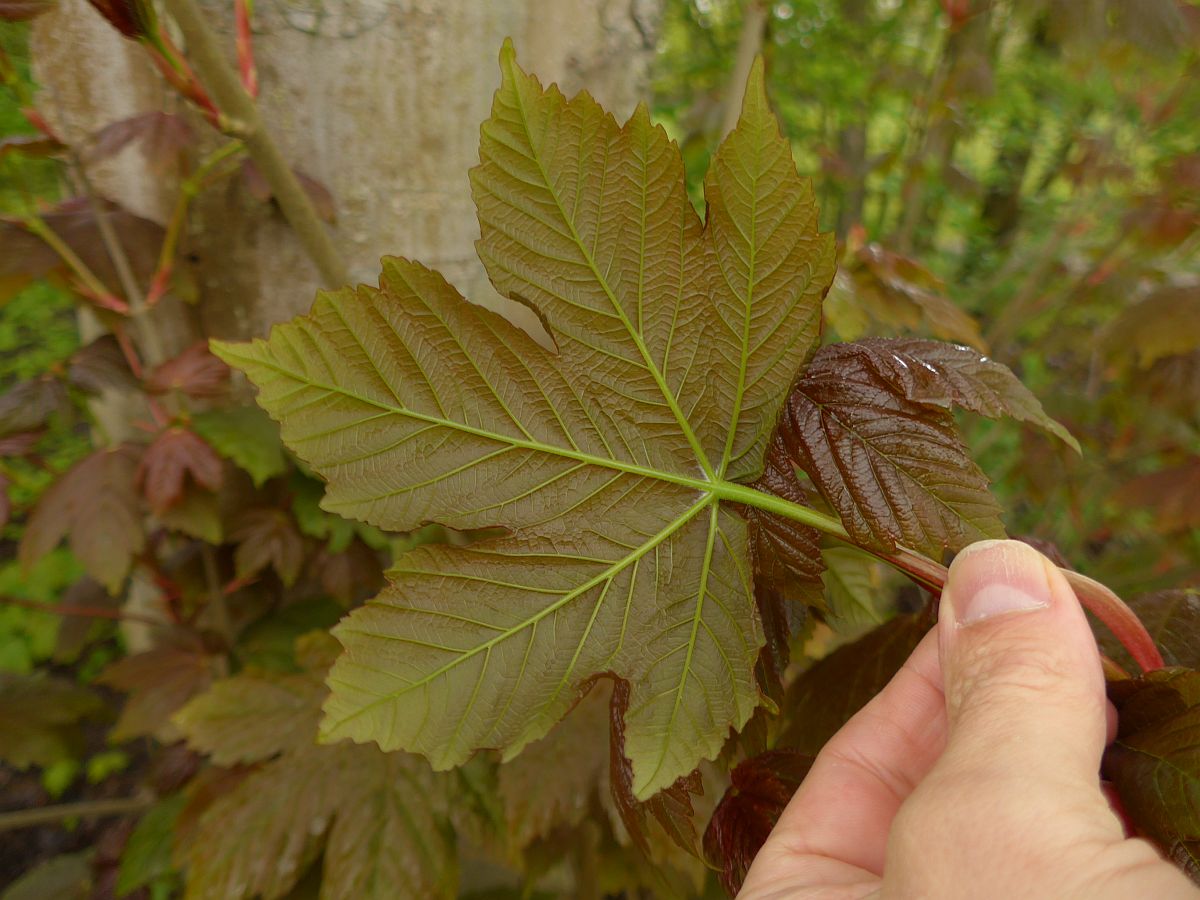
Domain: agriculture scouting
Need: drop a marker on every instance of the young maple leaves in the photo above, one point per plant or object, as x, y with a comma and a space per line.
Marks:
631, 465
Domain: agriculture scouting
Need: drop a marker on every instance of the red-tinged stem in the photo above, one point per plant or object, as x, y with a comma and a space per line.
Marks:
90, 286
86, 612
245, 47
1117, 618
174, 68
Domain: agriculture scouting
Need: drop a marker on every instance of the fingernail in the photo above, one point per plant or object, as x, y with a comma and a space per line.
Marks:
994, 578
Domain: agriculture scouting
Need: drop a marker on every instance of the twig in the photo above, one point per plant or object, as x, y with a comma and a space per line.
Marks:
222, 82
92, 286
86, 612
86, 809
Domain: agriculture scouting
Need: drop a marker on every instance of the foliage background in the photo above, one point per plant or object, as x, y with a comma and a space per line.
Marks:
1021, 175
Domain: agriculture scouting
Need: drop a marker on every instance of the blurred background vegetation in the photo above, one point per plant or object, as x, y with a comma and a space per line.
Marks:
1019, 175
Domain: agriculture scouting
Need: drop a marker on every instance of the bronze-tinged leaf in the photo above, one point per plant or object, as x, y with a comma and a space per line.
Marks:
74, 222
895, 470
670, 807
163, 136
31, 404
158, 683
76, 632
1174, 383
195, 372
21, 10
1155, 761
5, 501
40, 713
949, 375
895, 289
100, 365
1172, 494
95, 506
174, 457
1165, 323
251, 717
554, 781
268, 537
197, 514
613, 462
351, 575
258, 188
858, 596
833, 689
376, 816
760, 788
378, 819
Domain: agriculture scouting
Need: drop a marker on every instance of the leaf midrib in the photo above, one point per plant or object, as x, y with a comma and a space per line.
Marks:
635, 336
609, 573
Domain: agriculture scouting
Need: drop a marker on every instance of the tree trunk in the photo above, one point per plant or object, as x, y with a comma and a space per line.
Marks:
379, 100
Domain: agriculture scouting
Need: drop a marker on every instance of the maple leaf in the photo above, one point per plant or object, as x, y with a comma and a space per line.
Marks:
379, 817
195, 372
553, 782
158, 682
163, 136
100, 365
258, 188
31, 404
1172, 619
1155, 761
267, 537
833, 689
39, 715
246, 436
614, 462
855, 587
97, 489
760, 788
895, 469
173, 457
1165, 323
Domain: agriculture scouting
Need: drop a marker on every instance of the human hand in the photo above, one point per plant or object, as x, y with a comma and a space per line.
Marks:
974, 773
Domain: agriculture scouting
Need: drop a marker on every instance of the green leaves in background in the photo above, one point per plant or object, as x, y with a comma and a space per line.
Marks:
676, 346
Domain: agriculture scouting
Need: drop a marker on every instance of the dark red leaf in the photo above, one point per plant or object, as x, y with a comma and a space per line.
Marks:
322, 199
760, 788
21, 10
175, 455
31, 404
948, 375
895, 470
95, 505
1154, 763
268, 537
833, 689
195, 372
164, 136
671, 808
5, 501
100, 365
787, 567
133, 18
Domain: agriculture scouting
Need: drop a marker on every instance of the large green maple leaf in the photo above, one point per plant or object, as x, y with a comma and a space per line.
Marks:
611, 461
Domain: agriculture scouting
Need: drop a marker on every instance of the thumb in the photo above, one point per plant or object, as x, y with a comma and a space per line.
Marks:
1024, 689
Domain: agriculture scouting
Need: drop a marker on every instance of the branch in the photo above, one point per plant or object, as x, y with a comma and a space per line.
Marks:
222, 82
87, 809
